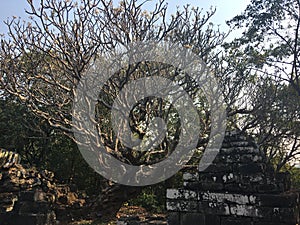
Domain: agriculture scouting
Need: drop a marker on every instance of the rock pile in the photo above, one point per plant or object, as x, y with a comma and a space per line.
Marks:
31, 197
237, 188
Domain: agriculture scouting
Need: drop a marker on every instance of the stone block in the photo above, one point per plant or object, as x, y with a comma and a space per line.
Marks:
285, 215
236, 221
195, 186
270, 223
218, 168
242, 143
283, 200
227, 197
182, 194
248, 158
192, 219
214, 208
173, 218
182, 206
267, 188
239, 150
250, 168
211, 186
246, 210
212, 220
190, 176
284, 178
233, 188
257, 178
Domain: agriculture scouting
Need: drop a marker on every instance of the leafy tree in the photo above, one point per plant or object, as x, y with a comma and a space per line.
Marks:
43, 146
269, 52
270, 41
23, 132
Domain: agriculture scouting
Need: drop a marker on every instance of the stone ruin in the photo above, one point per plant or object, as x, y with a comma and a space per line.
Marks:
30, 197
237, 188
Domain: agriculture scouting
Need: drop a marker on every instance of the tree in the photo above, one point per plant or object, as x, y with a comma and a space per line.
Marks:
271, 38
44, 59
269, 49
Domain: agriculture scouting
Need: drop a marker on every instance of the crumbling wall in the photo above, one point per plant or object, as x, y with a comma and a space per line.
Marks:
238, 188
31, 197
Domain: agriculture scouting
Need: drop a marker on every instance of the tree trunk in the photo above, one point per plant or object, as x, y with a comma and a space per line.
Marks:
111, 199
103, 207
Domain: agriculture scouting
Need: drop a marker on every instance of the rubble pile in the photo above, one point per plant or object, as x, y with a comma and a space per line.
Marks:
30, 197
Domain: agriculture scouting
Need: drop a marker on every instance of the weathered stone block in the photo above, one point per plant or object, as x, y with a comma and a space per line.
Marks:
236, 221
230, 144
211, 186
182, 206
239, 150
284, 178
212, 220
285, 215
191, 176
173, 218
228, 198
193, 219
248, 158
218, 168
250, 168
257, 178
192, 185
283, 200
182, 194
266, 222
214, 208
267, 188
245, 210
233, 187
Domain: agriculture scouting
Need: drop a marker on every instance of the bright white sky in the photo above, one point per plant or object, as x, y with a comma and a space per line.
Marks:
226, 9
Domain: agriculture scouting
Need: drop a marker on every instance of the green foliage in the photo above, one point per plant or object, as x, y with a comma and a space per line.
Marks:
271, 38
295, 174
153, 198
269, 51
148, 200
23, 132
44, 147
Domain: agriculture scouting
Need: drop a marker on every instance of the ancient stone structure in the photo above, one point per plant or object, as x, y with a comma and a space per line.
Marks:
30, 197
238, 188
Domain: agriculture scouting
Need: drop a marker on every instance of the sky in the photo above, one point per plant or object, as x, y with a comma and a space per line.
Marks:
226, 9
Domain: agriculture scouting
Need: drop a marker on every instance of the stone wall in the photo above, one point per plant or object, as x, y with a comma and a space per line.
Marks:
238, 188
